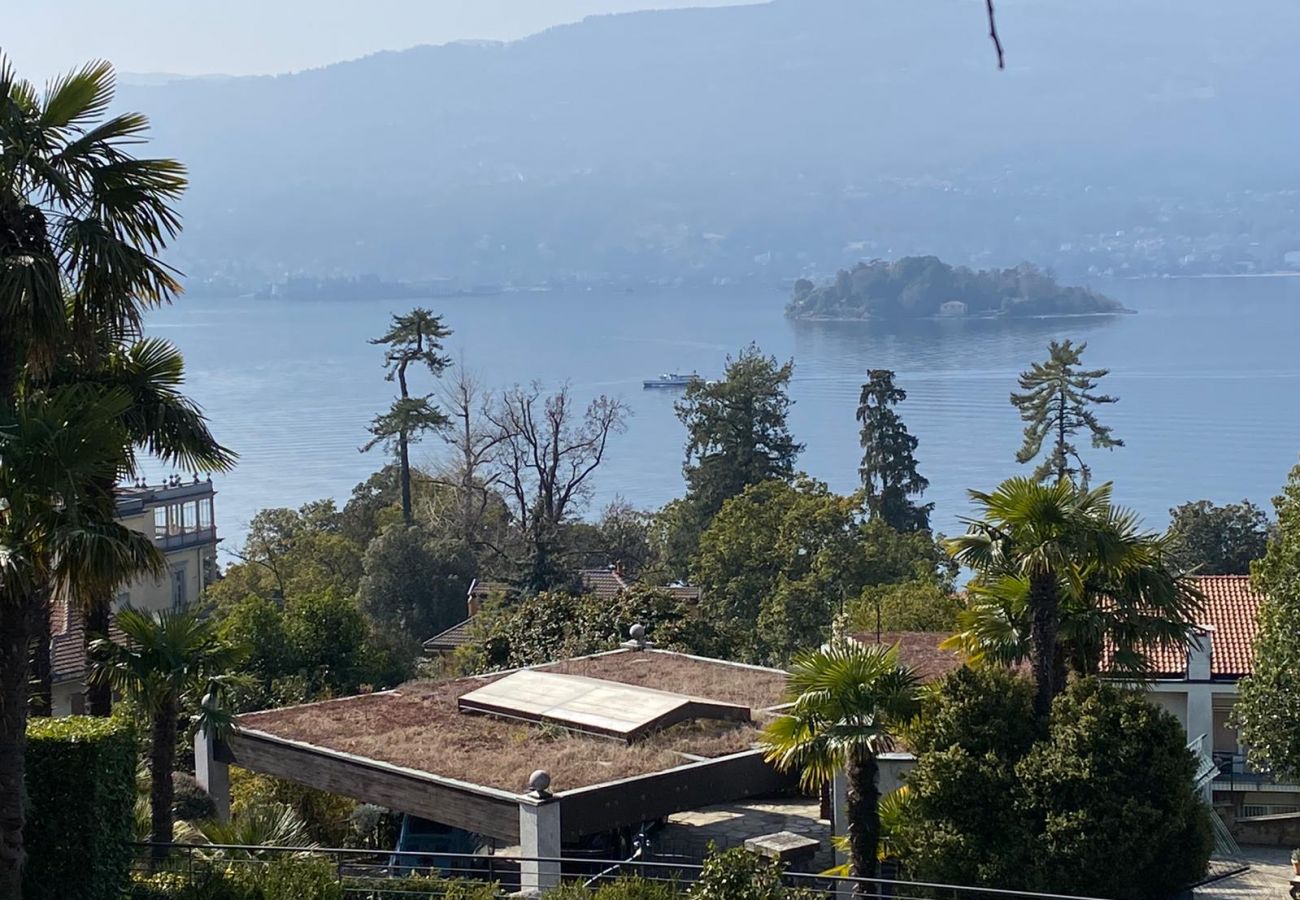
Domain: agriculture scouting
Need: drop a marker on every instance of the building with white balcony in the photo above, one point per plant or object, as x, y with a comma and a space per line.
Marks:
179, 517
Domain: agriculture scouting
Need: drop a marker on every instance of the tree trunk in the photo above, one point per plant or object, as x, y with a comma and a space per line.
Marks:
864, 819
1044, 609
15, 631
99, 697
1062, 467
404, 465
41, 687
162, 755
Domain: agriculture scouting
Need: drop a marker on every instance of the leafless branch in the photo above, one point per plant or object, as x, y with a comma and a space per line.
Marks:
993, 34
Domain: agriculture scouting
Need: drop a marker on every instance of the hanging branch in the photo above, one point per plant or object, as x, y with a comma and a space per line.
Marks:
993, 34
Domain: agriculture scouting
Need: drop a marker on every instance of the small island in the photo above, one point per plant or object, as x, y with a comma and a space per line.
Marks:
923, 287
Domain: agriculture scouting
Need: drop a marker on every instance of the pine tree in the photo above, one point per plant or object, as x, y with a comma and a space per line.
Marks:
736, 436
888, 470
1056, 403
413, 338
736, 430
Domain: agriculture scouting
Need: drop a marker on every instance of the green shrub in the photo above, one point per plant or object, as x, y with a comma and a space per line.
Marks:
637, 888
737, 874
190, 802
280, 879
1110, 796
81, 790
417, 886
1098, 803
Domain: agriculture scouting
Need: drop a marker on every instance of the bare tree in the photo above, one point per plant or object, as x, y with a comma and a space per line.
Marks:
548, 447
474, 442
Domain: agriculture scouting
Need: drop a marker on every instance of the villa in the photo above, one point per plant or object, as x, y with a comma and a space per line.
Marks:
1198, 686
178, 516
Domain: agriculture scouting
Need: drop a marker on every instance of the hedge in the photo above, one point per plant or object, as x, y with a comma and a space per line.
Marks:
80, 794
279, 879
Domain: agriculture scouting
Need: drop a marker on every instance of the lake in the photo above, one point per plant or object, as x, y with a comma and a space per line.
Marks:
1207, 374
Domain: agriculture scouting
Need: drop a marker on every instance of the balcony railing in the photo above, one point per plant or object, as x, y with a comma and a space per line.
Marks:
179, 540
1236, 774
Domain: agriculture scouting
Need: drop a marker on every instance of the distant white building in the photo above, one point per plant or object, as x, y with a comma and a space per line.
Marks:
179, 517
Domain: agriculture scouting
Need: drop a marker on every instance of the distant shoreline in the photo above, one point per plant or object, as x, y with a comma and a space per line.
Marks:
1211, 277
1090, 315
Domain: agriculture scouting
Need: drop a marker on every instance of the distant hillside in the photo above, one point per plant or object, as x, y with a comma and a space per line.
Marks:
917, 287
757, 143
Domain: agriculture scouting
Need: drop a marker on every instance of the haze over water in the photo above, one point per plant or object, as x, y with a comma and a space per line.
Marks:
1207, 376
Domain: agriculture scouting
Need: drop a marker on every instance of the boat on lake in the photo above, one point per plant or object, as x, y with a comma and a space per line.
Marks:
670, 380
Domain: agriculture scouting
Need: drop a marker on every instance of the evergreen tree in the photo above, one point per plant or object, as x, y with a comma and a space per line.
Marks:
736, 430
1056, 403
888, 470
413, 338
1270, 695
1218, 540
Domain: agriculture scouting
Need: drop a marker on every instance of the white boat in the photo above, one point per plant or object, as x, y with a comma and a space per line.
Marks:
670, 380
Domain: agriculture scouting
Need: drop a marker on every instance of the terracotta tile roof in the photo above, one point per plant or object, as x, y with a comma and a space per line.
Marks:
1232, 609
68, 643
604, 583
456, 636
918, 649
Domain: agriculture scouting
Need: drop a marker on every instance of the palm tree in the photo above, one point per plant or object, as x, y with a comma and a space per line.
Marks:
170, 662
261, 825
82, 224
847, 703
160, 420
57, 535
1061, 573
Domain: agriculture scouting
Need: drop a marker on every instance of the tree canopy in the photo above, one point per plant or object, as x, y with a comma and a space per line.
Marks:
888, 470
780, 560
1218, 540
736, 432
1097, 800
914, 287
414, 338
1057, 403
1059, 571
1270, 695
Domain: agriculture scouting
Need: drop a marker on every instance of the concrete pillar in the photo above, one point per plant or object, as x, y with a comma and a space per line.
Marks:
212, 774
1200, 714
539, 843
893, 770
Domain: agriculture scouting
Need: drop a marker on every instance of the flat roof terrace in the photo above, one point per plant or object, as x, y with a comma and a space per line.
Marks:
413, 749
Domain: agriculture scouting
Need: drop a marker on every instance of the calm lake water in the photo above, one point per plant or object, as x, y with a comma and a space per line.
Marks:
1207, 373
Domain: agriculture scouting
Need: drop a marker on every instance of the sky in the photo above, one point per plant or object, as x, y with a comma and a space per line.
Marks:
241, 37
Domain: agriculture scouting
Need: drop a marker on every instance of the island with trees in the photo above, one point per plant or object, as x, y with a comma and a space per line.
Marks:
922, 287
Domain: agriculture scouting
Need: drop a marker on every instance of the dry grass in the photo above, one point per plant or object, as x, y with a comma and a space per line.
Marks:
744, 686
418, 726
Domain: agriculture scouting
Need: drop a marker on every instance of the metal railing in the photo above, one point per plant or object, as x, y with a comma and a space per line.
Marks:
1235, 774
383, 874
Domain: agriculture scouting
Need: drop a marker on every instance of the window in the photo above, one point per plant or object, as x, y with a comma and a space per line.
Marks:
160, 522
205, 514
123, 600
179, 588
189, 516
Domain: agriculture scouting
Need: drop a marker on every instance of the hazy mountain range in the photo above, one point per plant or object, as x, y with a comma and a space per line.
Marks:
759, 142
